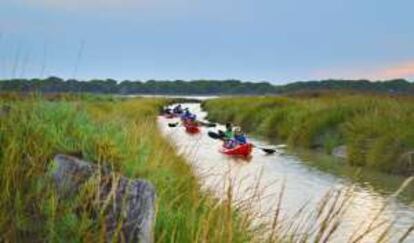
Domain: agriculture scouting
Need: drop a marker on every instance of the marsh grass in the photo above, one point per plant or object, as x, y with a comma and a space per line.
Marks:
123, 135
120, 134
377, 129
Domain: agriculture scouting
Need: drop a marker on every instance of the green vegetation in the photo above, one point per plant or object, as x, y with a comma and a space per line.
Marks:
199, 87
122, 134
119, 133
377, 129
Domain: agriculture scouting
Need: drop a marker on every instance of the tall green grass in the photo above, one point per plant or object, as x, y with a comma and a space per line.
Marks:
121, 134
378, 130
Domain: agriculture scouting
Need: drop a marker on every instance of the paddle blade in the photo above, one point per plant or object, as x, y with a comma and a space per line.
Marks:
221, 133
172, 124
211, 125
268, 151
206, 124
214, 135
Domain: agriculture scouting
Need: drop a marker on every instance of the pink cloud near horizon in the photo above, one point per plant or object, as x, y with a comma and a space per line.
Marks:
394, 71
403, 70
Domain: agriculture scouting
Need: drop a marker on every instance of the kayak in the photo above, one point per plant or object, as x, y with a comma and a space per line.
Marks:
191, 128
243, 150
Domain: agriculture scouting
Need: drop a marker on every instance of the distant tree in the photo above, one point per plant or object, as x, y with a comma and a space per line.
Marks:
199, 87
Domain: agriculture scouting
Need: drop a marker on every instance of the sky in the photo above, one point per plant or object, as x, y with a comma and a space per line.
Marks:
278, 41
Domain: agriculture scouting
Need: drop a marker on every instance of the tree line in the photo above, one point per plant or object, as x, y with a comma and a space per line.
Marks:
197, 87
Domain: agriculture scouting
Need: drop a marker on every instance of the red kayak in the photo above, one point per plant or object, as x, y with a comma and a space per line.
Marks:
191, 128
243, 150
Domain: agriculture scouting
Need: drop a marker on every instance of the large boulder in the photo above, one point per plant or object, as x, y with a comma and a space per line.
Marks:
131, 202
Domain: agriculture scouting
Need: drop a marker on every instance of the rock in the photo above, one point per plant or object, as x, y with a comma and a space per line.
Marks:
134, 201
340, 152
131, 202
69, 173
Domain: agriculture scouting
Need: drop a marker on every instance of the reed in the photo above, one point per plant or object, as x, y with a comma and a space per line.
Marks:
377, 130
123, 135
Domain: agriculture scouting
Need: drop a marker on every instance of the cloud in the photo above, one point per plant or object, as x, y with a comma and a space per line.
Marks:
391, 71
403, 70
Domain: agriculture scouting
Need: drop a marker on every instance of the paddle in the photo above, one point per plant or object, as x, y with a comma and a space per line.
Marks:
173, 124
266, 150
214, 135
206, 124
220, 135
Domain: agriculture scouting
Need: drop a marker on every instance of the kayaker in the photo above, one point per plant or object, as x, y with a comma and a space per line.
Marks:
192, 117
178, 109
239, 137
228, 134
167, 111
186, 114
188, 118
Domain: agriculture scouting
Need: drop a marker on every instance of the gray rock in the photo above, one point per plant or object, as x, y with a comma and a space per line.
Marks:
125, 202
69, 173
340, 152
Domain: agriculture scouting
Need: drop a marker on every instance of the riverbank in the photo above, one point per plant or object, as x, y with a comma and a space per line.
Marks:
114, 132
376, 130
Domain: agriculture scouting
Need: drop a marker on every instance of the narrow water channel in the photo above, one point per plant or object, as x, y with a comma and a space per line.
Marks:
260, 180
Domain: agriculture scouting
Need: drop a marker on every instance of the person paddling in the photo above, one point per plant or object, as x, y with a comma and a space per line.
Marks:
193, 118
228, 135
178, 109
188, 118
186, 114
239, 136
167, 111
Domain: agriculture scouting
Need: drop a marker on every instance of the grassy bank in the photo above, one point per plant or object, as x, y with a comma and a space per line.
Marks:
377, 130
118, 133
